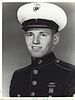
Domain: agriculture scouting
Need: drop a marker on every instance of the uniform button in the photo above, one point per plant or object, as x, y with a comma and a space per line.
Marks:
34, 82
57, 61
32, 93
35, 71
18, 95
40, 61
74, 95
50, 95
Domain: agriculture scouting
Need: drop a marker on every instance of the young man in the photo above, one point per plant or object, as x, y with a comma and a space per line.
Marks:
47, 75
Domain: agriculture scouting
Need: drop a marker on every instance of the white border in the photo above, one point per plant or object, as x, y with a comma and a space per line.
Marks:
0, 48
38, 98
25, 98
38, 0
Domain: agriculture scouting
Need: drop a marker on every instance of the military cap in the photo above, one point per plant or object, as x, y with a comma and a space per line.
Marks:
42, 15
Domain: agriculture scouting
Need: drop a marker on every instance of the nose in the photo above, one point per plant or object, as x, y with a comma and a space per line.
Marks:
36, 40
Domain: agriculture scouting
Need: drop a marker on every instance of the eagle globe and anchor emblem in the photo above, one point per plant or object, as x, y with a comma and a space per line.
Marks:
36, 7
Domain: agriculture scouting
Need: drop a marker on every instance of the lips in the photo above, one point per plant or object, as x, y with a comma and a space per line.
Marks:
36, 48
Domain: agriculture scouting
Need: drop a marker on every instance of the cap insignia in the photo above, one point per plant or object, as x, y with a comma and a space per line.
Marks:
36, 7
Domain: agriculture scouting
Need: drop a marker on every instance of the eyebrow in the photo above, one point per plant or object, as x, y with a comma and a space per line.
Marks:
28, 32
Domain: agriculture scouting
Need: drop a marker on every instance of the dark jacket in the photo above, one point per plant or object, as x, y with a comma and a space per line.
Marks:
46, 76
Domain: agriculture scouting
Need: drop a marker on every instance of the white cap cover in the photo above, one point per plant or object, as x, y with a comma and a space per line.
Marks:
46, 11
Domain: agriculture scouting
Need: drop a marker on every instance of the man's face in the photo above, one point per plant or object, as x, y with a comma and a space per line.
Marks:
39, 41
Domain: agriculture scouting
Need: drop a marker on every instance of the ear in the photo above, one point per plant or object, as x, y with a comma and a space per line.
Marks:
56, 38
24, 34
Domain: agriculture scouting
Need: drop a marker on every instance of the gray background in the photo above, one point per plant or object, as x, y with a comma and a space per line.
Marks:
15, 54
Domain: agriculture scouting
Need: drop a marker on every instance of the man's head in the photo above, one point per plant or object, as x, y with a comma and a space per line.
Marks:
41, 23
41, 41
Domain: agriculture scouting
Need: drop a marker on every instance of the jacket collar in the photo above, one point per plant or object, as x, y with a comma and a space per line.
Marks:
44, 60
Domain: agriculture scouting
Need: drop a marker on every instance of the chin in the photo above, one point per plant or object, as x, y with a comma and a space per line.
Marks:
37, 55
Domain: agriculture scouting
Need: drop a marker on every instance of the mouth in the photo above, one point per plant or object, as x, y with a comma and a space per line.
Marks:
36, 48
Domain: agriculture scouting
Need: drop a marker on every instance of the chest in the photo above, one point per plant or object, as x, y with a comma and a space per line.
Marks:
45, 81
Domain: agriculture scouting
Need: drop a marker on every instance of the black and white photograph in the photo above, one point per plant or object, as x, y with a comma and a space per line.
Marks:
38, 49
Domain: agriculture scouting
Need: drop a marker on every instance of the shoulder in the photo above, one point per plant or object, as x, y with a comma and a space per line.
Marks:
21, 70
64, 65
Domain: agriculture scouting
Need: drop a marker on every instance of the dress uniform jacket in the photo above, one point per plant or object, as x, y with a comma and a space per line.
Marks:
46, 76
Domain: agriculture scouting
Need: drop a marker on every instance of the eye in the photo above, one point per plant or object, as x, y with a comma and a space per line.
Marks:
43, 34
29, 34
